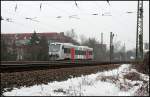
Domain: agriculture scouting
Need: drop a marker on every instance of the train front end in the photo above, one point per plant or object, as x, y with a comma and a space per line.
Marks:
55, 51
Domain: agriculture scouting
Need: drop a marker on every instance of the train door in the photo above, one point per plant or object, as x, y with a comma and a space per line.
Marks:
87, 54
72, 53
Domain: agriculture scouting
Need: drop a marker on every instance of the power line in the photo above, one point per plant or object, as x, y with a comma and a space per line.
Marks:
32, 19
76, 4
108, 2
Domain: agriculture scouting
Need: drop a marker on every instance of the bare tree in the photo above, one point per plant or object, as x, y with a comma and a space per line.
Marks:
119, 52
71, 34
117, 46
83, 39
99, 50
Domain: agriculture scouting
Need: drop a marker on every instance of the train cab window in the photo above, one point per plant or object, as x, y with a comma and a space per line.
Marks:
62, 47
54, 47
65, 50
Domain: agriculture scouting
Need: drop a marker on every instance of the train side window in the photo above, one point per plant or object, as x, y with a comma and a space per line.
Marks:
79, 52
82, 52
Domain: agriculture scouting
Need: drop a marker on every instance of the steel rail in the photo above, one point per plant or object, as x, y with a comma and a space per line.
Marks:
12, 66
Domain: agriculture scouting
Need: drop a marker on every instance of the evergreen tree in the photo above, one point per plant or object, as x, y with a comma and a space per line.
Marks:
34, 39
38, 48
43, 53
33, 49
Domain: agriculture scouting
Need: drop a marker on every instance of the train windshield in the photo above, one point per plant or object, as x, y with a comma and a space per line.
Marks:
54, 47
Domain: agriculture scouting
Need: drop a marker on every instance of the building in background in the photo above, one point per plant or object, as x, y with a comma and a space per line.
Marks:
22, 39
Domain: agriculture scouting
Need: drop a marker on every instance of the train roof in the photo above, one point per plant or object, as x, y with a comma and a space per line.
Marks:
86, 47
61, 43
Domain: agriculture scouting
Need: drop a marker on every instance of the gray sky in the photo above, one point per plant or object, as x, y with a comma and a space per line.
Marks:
121, 23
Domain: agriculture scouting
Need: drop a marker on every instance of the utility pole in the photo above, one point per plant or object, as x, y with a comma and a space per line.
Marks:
139, 32
124, 51
111, 46
102, 38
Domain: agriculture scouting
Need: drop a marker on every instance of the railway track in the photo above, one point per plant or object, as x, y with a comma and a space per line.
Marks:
18, 66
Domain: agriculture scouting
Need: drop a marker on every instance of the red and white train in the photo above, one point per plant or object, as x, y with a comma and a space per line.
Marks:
61, 51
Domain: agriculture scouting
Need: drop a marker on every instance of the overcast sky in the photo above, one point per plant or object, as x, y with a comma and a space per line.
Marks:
116, 18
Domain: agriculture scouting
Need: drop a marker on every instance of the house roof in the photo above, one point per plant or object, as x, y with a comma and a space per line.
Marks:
20, 36
52, 35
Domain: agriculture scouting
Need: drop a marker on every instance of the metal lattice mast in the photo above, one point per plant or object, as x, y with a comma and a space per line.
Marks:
139, 33
111, 46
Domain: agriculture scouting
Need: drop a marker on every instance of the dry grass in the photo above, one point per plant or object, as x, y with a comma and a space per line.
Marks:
132, 76
143, 68
29, 78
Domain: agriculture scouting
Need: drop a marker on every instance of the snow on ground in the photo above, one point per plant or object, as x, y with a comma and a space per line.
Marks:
108, 83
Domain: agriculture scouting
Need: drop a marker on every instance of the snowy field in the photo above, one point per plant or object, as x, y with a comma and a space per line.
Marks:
108, 83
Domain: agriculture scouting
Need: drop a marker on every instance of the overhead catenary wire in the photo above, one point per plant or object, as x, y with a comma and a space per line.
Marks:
68, 13
23, 17
71, 13
70, 16
76, 4
108, 2
114, 16
121, 22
